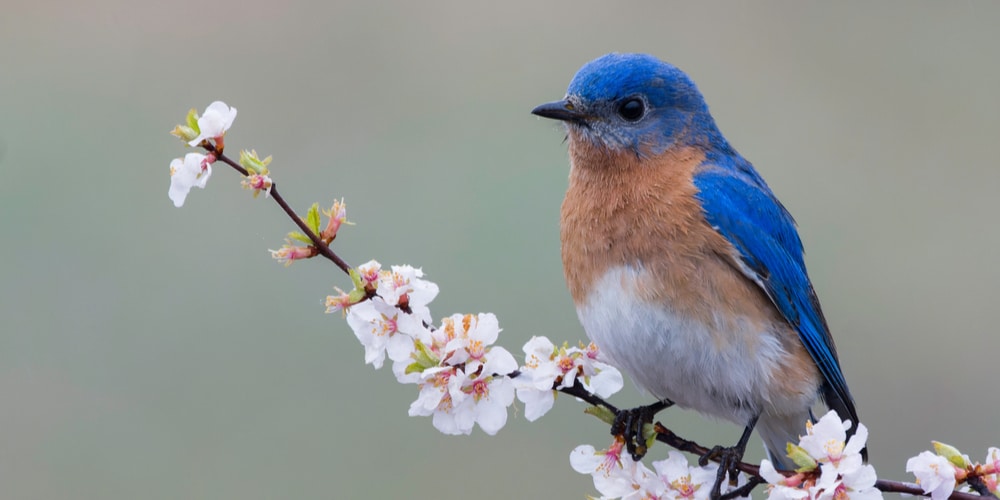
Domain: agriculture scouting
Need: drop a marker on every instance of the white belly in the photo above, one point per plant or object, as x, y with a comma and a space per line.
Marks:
722, 368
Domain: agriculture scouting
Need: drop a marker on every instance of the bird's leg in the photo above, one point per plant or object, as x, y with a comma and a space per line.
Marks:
629, 423
729, 458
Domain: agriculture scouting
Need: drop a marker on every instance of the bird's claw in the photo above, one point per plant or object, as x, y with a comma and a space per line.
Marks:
729, 458
629, 426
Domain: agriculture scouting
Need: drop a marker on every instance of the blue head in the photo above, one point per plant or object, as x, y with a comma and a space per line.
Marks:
635, 102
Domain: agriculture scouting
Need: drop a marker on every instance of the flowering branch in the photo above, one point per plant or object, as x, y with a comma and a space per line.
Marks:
465, 381
321, 246
668, 437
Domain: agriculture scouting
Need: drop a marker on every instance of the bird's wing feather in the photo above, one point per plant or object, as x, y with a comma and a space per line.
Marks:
742, 208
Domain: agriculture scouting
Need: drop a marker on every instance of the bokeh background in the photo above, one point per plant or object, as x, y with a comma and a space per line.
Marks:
158, 353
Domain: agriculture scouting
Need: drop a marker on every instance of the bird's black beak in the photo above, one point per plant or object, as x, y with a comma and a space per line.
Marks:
559, 110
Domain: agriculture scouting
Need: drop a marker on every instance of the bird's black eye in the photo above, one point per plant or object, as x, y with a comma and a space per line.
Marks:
631, 109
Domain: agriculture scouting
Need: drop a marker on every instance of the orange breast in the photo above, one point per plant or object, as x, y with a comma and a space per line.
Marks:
620, 210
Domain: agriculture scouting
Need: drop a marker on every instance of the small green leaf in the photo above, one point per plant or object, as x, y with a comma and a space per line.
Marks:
602, 412
246, 161
295, 235
357, 296
424, 357
312, 218
801, 458
649, 434
356, 279
186, 134
192, 121
253, 164
952, 454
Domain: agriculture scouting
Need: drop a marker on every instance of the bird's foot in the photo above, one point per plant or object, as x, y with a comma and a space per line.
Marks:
629, 426
729, 459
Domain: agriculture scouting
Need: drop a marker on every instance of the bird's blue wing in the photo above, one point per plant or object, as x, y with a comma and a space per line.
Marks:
740, 206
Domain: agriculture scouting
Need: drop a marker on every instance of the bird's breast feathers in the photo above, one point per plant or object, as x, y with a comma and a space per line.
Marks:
728, 365
656, 289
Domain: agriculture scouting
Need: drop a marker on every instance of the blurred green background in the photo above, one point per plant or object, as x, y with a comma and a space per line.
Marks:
158, 353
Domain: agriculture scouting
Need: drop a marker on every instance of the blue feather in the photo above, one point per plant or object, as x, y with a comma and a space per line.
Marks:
739, 205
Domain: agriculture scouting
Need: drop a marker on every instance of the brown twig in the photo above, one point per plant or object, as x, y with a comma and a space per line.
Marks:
320, 245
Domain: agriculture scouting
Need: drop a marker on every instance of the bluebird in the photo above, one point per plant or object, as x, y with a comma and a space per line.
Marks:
684, 267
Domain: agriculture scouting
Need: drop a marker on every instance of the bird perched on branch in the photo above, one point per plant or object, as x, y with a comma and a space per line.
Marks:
685, 269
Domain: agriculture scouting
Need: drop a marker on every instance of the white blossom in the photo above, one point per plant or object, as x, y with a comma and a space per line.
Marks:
214, 122
615, 474
779, 487
383, 328
547, 367
825, 442
404, 285
190, 172
935, 474
842, 473
681, 481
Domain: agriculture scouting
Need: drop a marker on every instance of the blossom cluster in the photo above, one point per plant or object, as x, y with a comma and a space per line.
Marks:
195, 168
463, 379
209, 130
830, 465
939, 473
617, 475
547, 367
